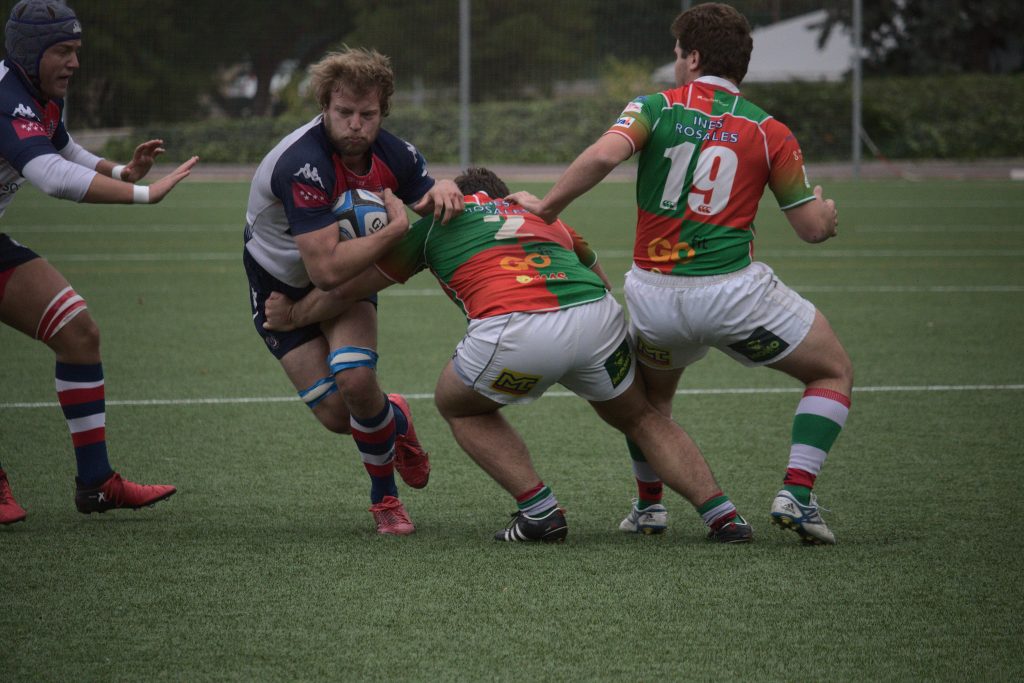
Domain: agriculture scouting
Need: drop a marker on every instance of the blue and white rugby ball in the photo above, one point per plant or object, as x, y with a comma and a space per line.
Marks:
359, 213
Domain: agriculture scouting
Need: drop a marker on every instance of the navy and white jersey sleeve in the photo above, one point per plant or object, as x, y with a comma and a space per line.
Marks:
406, 164
27, 130
291, 194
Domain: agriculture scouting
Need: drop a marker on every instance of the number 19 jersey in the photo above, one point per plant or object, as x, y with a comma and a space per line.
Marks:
706, 155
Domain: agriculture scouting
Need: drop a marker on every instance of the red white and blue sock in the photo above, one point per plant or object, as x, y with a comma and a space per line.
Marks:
80, 392
375, 440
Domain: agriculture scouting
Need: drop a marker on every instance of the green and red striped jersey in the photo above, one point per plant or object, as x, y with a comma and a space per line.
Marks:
497, 258
706, 155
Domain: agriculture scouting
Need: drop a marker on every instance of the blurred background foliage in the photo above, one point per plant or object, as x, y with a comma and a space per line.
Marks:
225, 79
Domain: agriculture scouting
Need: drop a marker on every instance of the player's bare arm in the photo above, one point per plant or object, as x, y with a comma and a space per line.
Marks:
599, 271
331, 262
588, 169
104, 190
283, 314
815, 221
444, 199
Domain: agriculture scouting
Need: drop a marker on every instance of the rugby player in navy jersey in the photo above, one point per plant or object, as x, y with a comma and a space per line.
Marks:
292, 244
42, 42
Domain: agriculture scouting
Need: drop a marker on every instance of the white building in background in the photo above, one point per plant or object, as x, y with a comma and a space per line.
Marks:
788, 51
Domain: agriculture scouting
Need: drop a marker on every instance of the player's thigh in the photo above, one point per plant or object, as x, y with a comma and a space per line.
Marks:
306, 364
29, 291
455, 398
820, 356
306, 367
660, 387
356, 327
625, 410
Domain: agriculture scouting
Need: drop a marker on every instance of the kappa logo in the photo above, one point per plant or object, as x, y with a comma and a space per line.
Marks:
24, 111
515, 383
311, 173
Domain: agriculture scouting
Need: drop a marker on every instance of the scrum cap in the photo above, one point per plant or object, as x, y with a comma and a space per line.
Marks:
34, 26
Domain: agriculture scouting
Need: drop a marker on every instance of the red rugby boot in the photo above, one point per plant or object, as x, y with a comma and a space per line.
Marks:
391, 517
10, 511
411, 461
116, 492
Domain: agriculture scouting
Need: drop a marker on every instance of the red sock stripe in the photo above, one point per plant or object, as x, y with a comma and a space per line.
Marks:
73, 397
829, 393
89, 437
650, 491
717, 494
379, 470
377, 437
529, 493
795, 477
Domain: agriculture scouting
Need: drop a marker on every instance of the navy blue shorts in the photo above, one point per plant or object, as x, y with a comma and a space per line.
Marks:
12, 255
261, 284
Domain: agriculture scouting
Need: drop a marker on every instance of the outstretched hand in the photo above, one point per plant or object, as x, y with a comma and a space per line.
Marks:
142, 160
278, 311
445, 198
531, 203
159, 189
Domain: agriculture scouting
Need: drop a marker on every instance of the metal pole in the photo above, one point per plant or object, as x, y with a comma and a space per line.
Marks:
856, 124
464, 152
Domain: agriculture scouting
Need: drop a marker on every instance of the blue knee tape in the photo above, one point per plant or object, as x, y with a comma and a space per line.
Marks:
348, 357
319, 391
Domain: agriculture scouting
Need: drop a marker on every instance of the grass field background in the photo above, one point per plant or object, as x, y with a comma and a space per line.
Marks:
266, 566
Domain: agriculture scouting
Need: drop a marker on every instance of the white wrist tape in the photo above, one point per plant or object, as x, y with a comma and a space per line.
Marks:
116, 172
140, 194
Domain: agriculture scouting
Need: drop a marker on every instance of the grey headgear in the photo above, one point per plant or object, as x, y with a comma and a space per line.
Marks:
34, 26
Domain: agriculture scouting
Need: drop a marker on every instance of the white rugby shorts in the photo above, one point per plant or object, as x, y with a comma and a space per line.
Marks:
749, 315
516, 357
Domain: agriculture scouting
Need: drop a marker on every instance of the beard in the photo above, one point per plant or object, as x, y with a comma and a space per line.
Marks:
347, 146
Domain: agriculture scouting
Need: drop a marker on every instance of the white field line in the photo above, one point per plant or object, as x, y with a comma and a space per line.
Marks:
606, 253
927, 388
888, 228
937, 289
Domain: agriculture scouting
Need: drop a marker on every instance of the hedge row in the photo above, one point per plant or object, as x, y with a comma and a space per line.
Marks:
935, 118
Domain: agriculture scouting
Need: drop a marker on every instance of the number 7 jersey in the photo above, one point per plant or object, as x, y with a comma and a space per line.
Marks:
706, 155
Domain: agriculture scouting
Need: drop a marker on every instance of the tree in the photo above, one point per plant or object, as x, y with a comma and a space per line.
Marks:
266, 33
928, 37
517, 48
157, 60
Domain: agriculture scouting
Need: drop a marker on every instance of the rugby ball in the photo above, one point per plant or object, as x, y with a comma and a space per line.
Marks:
359, 213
